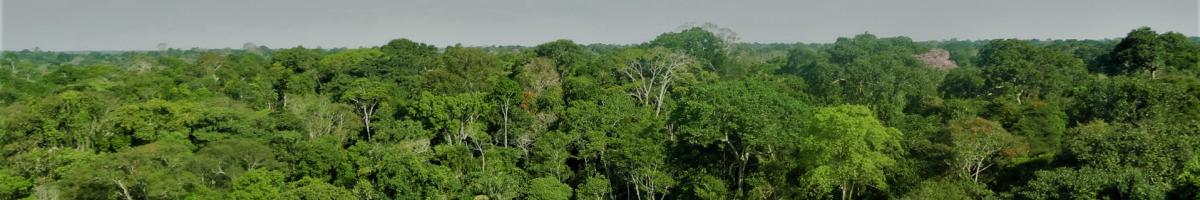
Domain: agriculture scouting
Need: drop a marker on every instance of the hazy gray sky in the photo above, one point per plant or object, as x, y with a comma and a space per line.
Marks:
142, 24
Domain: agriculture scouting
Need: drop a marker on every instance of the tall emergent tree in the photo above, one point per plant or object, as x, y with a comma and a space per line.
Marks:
978, 144
1140, 51
368, 97
651, 74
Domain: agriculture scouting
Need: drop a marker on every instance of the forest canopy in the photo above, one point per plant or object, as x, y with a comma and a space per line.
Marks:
693, 114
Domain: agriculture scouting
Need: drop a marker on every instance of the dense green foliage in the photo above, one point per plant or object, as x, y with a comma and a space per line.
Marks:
690, 115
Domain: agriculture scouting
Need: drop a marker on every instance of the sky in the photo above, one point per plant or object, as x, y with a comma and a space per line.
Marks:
74, 25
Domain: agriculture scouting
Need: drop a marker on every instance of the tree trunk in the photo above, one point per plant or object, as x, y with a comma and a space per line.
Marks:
505, 113
851, 192
482, 155
742, 156
843, 189
368, 109
214, 72
847, 191
367, 123
1019, 93
637, 190
124, 190
662, 92
462, 131
742, 169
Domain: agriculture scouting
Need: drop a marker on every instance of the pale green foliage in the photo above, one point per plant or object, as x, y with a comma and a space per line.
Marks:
322, 117
316, 189
948, 189
456, 117
850, 150
547, 188
258, 184
463, 69
594, 188
709, 187
154, 170
550, 154
219, 161
13, 186
652, 75
978, 145
369, 97
364, 91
